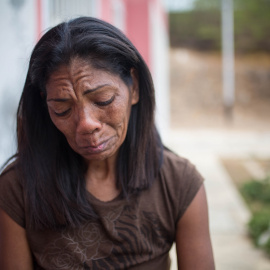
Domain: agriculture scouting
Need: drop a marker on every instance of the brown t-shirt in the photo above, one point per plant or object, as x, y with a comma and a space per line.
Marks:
131, 234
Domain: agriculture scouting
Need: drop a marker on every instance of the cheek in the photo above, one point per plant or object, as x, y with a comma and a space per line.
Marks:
118, 115
63, 126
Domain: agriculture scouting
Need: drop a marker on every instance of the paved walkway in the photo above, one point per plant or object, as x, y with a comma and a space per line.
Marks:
228, 214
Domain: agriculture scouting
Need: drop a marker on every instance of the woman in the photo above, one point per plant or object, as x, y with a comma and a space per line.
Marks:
92, 186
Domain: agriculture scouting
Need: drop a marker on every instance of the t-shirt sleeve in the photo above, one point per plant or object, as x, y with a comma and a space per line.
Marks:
182, 182
190, 183
11, 195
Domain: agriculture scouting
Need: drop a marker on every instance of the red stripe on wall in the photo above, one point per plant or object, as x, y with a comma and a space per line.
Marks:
38, 18
106, 10
137, 26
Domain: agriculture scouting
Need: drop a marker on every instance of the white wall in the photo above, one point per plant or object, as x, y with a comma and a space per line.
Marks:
60, 10
159, 46
17, 35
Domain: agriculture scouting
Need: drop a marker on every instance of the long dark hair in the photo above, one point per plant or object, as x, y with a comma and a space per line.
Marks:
52, 173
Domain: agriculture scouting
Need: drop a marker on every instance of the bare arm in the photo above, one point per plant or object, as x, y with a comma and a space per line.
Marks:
14, 249
193, 244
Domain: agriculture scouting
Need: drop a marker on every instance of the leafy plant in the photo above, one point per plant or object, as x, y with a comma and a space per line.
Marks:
267, 247
259, 224
257, 195
257, 191
200, 28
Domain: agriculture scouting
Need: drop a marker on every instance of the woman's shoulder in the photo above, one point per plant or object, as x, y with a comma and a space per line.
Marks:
9, 172
180, 178
179, 167
11, 193
175, 163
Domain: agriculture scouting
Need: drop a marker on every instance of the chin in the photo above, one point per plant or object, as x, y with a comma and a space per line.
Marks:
99, 156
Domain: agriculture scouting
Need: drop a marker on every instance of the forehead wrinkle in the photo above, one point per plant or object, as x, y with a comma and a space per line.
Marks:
58, 84
62, 84
79, 69
58, 81
79, 76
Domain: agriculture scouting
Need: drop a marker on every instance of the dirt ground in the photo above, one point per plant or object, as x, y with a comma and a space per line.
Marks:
196, 91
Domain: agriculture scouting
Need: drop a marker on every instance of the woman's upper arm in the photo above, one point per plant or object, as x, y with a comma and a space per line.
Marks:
14, 249
193, 244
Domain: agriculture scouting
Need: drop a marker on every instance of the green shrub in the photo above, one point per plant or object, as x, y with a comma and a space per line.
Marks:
257, 191
259, 224
195, 29
267, 247
200, 28
257, 195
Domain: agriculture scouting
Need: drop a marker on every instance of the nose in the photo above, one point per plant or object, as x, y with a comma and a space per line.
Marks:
87, 121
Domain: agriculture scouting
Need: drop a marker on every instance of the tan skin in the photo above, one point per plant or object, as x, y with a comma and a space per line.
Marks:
91, 108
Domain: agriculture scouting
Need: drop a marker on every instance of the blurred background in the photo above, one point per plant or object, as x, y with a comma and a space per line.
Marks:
210, 61
196, 48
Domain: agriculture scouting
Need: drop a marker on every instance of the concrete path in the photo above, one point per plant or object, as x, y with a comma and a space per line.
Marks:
228, 214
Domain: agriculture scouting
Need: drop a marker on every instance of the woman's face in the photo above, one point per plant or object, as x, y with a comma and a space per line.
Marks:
91, 107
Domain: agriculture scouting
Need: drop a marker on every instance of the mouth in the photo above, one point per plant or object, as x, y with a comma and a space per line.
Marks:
95, 149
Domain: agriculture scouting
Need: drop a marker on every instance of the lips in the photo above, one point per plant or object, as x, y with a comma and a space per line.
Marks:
97, 148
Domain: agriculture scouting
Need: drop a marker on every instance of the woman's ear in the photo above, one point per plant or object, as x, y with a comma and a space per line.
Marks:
135, 95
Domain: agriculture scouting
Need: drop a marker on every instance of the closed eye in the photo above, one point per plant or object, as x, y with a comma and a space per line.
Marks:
105, 103
62, 113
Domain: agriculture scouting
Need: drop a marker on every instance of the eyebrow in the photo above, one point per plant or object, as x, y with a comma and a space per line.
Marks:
94, 89
84, 93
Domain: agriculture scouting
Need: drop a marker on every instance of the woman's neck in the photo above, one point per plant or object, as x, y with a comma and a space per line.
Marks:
101, 179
